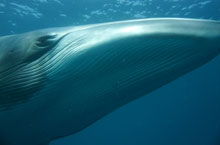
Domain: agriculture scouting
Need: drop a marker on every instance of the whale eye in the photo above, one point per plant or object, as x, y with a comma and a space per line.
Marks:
42, 45
46, 41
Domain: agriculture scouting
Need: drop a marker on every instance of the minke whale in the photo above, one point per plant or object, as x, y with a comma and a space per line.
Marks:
55, 82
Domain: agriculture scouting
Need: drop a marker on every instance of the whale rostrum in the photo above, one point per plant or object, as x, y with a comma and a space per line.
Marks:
55, 82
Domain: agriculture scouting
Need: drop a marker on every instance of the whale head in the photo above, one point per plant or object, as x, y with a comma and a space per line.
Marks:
27, 47
70, 77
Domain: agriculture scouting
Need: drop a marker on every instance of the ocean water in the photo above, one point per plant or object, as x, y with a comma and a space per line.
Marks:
184, 112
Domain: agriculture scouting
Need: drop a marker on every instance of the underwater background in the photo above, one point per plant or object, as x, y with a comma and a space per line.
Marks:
184, 112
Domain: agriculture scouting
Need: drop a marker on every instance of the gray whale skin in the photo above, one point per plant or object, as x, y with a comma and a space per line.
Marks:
55, 82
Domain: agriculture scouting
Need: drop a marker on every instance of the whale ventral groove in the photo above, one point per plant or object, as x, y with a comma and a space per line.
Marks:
17, 88
55, 82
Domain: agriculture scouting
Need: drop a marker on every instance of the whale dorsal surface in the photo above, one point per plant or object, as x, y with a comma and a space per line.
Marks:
55, 82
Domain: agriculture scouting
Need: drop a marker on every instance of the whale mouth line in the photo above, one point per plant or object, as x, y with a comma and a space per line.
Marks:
71, 77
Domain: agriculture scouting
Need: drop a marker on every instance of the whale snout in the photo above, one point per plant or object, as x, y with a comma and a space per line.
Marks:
73, 76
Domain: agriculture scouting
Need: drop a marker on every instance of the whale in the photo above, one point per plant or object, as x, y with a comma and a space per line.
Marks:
55, 82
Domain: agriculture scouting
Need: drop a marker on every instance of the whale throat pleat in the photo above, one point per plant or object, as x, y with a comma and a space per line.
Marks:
58, 81
137, 66
18, 88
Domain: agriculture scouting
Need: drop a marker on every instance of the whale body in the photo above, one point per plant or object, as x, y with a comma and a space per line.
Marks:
56, 82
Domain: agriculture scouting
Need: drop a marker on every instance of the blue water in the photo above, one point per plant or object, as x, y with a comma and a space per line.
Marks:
184, 112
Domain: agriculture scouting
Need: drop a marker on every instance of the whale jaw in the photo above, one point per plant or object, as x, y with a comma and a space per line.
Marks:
62, 80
